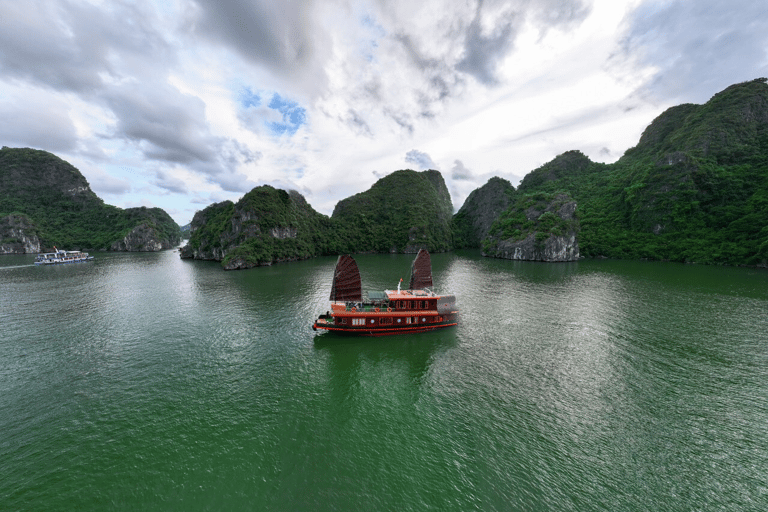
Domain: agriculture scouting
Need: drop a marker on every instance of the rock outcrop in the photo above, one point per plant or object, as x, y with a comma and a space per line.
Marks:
18, 235
483, 206
142, 238
539, 227
266, 226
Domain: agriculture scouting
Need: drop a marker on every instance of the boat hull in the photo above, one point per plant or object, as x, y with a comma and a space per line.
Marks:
367, 331
384, 323
84, 260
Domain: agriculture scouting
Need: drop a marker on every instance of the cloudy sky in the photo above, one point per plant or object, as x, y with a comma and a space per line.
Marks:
182, 103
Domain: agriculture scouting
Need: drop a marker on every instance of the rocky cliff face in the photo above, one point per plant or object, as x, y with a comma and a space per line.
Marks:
483, 206
539, 227
552, 249
18, 235
142, 238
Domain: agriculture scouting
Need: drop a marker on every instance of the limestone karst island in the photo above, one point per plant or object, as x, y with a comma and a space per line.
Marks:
693, 189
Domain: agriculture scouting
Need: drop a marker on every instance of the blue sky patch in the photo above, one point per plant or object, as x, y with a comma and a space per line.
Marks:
280, 115
248, 98
293, 115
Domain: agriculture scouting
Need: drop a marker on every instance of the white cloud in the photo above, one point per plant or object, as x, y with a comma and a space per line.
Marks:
420, 160
147, 97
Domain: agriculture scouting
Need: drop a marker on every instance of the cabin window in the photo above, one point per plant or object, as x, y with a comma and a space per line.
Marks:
386, 320
407, 320
358, 321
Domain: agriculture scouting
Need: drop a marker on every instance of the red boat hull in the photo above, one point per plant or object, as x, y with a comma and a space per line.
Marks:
384, 323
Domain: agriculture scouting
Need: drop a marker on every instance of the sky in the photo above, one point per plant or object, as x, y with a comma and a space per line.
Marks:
183, 103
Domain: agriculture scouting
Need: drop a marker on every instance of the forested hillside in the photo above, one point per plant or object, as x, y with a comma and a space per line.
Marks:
62, 209
694, 189
267, 225
402, 212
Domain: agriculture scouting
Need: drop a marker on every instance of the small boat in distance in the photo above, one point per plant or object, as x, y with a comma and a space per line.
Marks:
59, 257
387, 312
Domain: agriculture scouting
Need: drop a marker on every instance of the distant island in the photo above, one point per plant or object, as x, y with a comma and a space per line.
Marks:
403, 212
46, 202
694, 189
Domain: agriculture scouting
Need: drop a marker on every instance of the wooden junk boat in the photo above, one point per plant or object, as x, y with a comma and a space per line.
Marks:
416, 309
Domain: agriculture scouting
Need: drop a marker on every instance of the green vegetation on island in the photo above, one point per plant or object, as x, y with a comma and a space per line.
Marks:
56, 200
402, 212
694, 189
535, 214
267, 225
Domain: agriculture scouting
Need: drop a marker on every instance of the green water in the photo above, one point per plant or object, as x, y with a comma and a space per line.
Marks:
144, 382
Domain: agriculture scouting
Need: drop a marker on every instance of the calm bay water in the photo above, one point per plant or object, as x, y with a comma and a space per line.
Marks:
145, 382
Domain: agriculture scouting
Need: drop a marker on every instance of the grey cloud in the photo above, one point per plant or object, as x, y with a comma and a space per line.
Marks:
167, 125
106, 184
170, 183
203, 200
223, 170
482, 52
114, 55
49, 127
460, 172
484, 47
232, 181
401, 118
358, 124
698, 47
557, 13
234, 152
440, 79
75, 46
472, 48
279, 35
420, 159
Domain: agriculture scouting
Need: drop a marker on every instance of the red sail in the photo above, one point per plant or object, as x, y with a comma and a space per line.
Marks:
421, 271
346, 281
